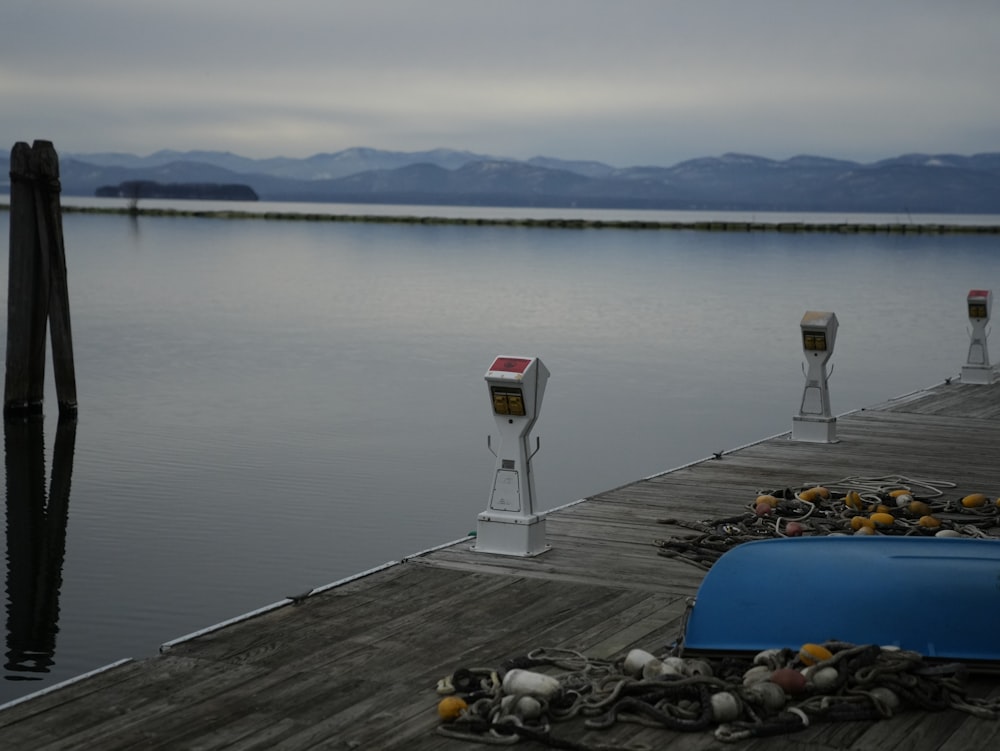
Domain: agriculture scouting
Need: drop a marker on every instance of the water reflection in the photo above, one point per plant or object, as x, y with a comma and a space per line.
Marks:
134, 232
36, 543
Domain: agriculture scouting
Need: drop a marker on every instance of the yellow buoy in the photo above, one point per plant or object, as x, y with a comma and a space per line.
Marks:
853, 500
770, 500
975, 500
882, 519
811, 495
919, 508
881, 509
450, 707
858, 522
930, 522
810, 654
898, 492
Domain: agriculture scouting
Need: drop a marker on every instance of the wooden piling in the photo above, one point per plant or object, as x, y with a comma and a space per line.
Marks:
25, 343
37, 286
47, 207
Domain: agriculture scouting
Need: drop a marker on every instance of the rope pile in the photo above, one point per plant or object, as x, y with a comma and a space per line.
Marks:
888, 505
775, 692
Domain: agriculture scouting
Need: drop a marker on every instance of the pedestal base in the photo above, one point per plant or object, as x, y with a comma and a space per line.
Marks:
504, 535
814, 429
978, 374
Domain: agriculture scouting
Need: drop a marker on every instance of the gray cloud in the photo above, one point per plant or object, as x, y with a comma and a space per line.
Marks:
634, 82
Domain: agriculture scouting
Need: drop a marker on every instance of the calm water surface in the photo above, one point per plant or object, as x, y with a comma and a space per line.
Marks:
267, 407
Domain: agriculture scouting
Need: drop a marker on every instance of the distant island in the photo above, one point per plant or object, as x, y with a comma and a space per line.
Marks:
136, 189
938, 183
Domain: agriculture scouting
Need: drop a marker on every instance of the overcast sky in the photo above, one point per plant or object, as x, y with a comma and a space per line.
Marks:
627, 82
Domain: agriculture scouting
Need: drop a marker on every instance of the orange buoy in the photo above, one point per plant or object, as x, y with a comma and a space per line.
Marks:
450, 707
857, 522
811, 495
882, 519
810, 654
975, 500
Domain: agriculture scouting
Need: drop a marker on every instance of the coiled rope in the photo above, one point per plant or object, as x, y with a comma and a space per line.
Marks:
885, 505
736, 698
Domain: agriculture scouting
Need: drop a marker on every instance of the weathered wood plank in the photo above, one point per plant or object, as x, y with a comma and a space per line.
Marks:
127, 700
974, 733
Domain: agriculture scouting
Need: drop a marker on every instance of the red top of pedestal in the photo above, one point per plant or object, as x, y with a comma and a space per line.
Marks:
510, 364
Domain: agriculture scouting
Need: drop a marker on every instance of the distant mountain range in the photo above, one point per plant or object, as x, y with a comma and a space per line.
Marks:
918, 183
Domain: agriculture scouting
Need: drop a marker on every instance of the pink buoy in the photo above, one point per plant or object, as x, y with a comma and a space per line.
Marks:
791, 681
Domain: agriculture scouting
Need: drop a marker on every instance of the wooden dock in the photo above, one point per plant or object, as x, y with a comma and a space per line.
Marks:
354, 666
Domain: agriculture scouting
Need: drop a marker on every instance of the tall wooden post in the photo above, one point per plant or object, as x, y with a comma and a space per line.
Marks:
25, 343
37, 286
49, 213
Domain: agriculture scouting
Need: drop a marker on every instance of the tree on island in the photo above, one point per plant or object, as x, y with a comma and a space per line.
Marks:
133, 193
133, 190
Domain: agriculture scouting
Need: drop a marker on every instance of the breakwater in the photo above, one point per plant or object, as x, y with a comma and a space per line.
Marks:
558, 223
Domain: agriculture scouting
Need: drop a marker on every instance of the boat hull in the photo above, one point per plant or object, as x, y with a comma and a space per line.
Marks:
936, 596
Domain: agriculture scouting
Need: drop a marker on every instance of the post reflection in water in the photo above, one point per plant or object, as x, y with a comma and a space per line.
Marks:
36, 543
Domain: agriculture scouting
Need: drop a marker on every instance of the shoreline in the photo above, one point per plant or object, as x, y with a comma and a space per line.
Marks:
551, 223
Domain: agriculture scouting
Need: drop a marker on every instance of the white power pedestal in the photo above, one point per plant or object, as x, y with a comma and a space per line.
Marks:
815, 422
509, 525
977, 368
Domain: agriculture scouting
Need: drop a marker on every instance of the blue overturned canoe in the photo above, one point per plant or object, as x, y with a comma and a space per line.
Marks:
936, 596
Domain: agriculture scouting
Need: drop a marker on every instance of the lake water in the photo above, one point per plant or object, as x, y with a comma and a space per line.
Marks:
269, 406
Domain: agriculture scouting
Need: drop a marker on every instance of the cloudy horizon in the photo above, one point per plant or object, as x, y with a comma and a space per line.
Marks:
638, 82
